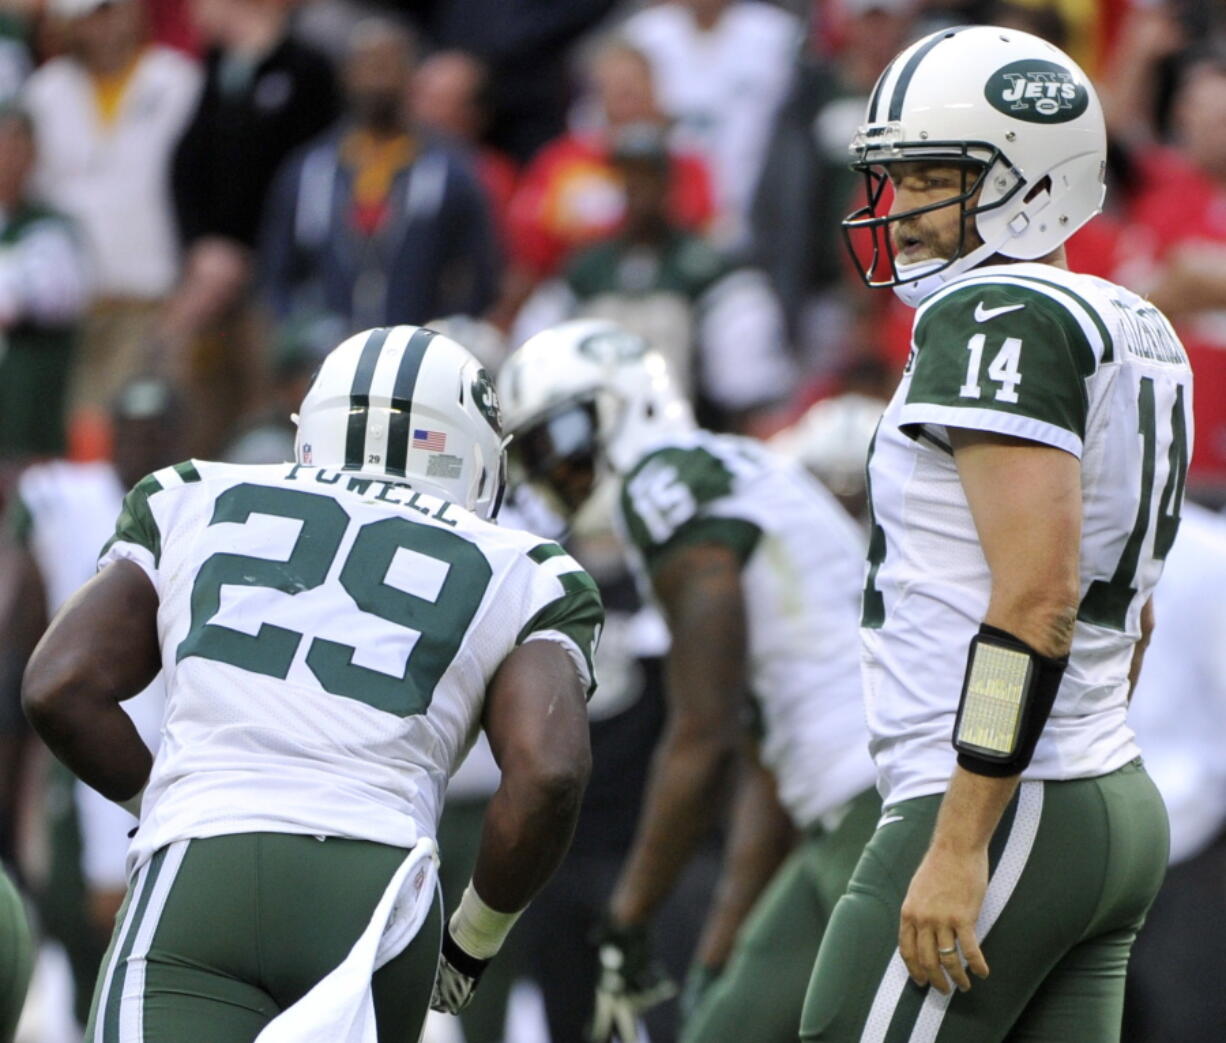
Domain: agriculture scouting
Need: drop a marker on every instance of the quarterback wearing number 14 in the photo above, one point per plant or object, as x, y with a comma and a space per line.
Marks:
332, 634
1026, 482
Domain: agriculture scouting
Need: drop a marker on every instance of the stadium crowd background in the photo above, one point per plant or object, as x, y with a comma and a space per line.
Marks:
199, 198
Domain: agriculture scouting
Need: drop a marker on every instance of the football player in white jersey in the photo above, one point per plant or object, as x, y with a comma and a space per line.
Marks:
757, 570
332, 635
1026, 482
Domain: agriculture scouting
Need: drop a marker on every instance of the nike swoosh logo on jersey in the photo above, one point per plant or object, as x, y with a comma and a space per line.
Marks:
982, 314
885, 820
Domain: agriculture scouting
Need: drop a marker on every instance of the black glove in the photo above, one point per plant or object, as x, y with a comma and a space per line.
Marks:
631, 981
458, 974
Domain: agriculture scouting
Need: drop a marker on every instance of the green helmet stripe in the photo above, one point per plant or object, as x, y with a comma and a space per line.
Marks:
359, 398
908, 71
402, 400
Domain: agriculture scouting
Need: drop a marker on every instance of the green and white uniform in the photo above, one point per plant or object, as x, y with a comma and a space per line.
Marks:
801, 575
1077, 363
1069, 361
327, 640
801, 579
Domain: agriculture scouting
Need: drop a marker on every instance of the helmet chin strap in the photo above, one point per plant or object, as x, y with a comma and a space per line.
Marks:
924, 278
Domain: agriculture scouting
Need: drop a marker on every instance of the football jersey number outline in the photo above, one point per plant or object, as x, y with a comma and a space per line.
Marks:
441, 623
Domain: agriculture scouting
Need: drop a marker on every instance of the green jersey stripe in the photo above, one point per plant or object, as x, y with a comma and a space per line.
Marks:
187, 471
1103, 332
737, 534
578, 615
136, 523
542, 552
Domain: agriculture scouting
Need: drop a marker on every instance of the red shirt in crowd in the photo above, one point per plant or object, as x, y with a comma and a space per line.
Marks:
569, 196
1180, 210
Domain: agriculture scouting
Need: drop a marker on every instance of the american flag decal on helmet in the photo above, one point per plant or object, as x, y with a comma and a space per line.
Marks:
434, 441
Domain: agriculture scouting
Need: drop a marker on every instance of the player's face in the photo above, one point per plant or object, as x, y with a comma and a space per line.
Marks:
939, 232
558, 456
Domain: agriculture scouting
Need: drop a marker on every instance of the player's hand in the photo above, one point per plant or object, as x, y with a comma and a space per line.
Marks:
631, 981
939, 913
458, 974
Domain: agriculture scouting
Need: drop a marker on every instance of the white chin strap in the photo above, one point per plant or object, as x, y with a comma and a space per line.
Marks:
920, 283
924, 278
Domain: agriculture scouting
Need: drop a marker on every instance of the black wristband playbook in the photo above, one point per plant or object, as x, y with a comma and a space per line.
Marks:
1007, 696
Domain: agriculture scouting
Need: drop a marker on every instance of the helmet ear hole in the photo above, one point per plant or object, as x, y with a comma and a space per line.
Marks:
649, 410
1042, 185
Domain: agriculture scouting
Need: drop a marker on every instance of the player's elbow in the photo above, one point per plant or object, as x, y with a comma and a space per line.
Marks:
1045, 616
556, 776
50, 685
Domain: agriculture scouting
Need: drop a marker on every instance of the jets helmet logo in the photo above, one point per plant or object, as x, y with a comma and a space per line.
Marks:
1037, 91
613, 345
486, 400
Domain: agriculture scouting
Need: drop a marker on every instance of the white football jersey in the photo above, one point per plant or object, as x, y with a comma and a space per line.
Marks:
801, 578
1068, 360
327, 639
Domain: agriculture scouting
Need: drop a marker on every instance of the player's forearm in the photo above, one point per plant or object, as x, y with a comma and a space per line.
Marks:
760, 839
687, 771
528, 828
971, 811
700, 590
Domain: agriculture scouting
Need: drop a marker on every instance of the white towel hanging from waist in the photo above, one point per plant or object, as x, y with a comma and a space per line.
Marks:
339, 1009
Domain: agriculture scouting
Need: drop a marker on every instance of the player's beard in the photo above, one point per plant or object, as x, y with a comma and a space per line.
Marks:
933, 237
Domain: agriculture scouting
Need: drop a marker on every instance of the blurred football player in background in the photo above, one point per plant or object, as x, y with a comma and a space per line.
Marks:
756, 569
831, 440
61, 514
333, 633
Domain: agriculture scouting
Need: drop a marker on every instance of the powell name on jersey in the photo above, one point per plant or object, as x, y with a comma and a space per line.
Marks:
1069, 361
801, 576
343, 625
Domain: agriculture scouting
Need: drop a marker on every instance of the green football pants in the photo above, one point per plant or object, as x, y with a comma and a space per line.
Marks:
16, 957
216, 937
762, 990
1074, 867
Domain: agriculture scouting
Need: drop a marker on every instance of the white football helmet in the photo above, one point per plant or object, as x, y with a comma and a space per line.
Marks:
583, 399
1018, 112
832, 440
407, 402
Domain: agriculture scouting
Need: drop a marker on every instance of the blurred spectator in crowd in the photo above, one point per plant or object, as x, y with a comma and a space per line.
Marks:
525, 44
1180, 217
722, 69
719, 325
107, 115
379, 222
42, 298
298, 348
570, 196
451, 95
15, 61
806, 187
1179, 714
265, 94
61, 515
